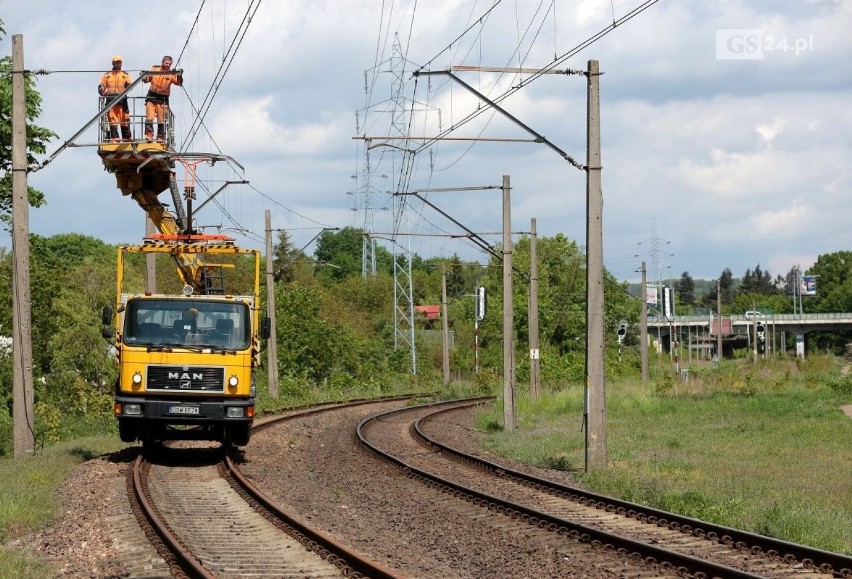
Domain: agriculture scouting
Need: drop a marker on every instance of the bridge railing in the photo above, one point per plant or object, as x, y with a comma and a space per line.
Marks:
741, 319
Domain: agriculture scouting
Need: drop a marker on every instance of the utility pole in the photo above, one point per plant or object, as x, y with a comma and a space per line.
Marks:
508, 313
719, 313
596, 447
643, 326
272, 345
150, 260
22, 346
445, 326
535, 354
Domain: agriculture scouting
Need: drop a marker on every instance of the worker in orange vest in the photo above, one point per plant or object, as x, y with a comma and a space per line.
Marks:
157, 100
113, 83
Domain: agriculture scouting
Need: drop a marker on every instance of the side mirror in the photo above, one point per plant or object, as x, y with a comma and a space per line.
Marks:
106, 317
265, 328
107, 333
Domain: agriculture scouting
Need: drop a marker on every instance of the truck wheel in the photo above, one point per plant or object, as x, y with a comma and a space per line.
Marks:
127, 432
239, 434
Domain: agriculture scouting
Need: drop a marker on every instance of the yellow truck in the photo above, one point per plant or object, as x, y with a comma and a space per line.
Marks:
187, 358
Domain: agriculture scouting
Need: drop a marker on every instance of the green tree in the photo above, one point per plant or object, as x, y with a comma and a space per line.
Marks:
833, 272
777, 303
365, 303
462, 277
283, 254
725, 287
685, 289
834, 282
36, 137
323, 339
562, 306
82, 370
341, 250
54, 262
757, 281
5, 290
64, 251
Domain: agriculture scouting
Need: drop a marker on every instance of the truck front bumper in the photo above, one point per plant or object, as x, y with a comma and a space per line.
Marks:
169, 411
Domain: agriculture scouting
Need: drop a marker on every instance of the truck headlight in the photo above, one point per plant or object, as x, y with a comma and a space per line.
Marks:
133, 409
233, 381
235, 412
137, 378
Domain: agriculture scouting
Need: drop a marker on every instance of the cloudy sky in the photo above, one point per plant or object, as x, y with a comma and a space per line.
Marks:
726, 126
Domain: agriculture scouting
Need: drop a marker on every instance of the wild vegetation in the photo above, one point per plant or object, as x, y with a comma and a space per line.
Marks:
763, 447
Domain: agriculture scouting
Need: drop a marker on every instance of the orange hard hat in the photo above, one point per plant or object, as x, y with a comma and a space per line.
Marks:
117, 58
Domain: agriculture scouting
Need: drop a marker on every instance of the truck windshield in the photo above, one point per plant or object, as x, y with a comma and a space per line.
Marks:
187, 322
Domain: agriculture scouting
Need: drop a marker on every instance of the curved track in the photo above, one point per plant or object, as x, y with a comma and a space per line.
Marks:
687, 545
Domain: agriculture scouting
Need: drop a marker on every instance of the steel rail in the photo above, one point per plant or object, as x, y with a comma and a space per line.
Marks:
187, 563
826, 561
339, 553
650, 553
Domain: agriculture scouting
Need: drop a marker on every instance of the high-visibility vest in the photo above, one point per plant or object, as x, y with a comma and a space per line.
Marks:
161, 84
114, 81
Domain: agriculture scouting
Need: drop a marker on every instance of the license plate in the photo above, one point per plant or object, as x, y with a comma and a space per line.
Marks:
183, 410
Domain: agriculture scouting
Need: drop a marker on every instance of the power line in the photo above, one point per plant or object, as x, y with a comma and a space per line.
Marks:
189, 35
460, 36
267, 197
225, 65
547, 69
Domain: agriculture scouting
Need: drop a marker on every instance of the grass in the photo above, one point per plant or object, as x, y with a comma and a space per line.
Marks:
297, 392
767, 450
29, 499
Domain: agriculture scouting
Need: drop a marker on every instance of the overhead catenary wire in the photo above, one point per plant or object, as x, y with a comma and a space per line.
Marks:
191, 30
460, 36
550, 67
225, 65
406, 173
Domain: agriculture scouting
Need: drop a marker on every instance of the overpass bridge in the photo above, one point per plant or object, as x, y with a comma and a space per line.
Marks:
701, 332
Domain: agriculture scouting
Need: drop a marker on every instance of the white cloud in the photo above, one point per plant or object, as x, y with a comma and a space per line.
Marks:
769, 131
261, 134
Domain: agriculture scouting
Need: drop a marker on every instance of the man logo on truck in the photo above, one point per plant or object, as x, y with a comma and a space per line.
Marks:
186, 376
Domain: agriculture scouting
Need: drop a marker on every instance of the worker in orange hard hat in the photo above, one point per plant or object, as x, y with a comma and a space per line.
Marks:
113, 83
157, 100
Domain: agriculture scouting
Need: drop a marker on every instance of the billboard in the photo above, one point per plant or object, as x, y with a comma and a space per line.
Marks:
808, 285
651, 295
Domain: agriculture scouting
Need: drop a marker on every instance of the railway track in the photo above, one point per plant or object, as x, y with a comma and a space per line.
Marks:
208, 520
670, 541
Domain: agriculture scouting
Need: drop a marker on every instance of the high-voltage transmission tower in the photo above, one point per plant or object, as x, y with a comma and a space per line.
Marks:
399, 126
403, 291
657, 255
368, 248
